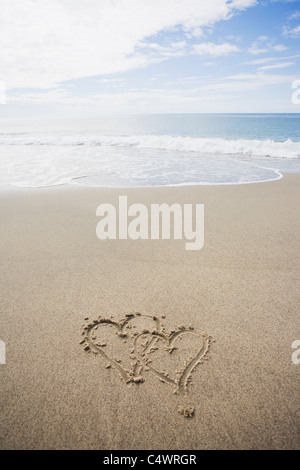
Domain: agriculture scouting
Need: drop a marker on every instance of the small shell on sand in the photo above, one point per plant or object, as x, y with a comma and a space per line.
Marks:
108, 366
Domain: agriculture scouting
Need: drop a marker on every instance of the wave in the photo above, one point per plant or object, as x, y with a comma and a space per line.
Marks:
219, 146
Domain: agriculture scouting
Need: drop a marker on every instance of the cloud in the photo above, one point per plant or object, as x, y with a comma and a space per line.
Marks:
291, 32
111, 82
214, 50
294, 16
232, 91
266, 60
45, 43
263, 44
243, 82
161, 52
277, 66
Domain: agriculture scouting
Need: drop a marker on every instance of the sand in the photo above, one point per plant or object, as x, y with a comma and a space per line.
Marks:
136, 386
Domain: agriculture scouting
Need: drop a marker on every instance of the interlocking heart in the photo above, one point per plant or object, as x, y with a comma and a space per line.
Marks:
139, 343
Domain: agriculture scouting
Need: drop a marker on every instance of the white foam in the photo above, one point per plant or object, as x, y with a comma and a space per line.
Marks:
40, 166
216, 146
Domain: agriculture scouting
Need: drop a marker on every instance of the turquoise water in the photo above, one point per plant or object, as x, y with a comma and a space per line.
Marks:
150, 150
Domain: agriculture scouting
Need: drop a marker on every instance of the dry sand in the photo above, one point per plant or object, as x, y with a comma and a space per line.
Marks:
242, 288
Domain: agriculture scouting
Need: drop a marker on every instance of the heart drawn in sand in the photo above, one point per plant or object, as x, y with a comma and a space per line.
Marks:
143, 349
144, 345
95, 341
148, 344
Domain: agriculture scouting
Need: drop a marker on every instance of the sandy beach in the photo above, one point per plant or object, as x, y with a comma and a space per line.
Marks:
241, 289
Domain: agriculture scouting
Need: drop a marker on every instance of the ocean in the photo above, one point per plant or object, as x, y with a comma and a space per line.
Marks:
149, 150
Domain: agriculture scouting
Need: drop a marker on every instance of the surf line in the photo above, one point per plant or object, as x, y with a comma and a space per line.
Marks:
162, 221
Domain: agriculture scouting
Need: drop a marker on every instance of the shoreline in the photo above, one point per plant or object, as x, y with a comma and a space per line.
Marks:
71, 185
241, 289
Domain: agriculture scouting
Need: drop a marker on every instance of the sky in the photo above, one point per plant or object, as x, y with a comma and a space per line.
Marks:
63, 58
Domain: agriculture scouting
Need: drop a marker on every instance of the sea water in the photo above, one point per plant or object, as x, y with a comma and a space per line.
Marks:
149, 150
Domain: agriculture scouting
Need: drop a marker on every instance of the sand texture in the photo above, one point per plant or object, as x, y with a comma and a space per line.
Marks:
142, 344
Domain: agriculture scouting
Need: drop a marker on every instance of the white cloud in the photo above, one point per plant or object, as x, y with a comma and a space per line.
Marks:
291, 32
245, 82
214, 50
50, 41
266, 60
207, 96
279, 48
263, 44
161, 52
110, 80
277, 66
294, 15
